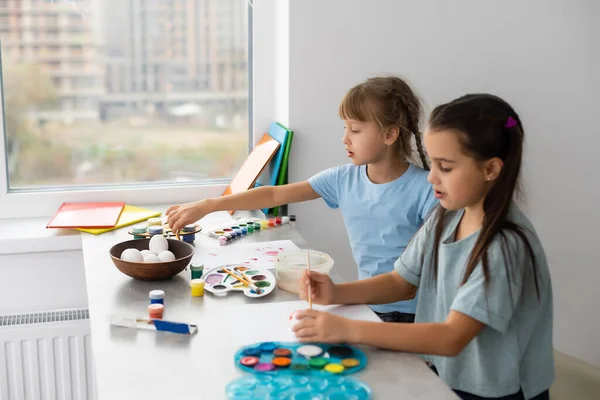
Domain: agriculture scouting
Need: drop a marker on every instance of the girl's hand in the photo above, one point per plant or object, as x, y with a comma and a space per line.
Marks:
323, 288
322, 327
180, 215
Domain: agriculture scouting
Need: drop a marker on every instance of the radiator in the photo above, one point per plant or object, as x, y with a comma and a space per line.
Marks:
46, 355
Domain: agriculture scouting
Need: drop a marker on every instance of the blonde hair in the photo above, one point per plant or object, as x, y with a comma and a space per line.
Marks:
388, 102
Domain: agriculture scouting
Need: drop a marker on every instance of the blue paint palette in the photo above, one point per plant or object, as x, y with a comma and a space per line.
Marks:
260, 387
300, 359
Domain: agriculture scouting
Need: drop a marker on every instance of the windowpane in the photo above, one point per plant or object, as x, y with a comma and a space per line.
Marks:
123, 91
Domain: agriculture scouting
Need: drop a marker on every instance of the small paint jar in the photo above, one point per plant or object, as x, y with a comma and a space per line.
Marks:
138, 230
235, 227
285, 220
155, 230
264, 224
189, 237
271, 222
257, 226
250, 228
242, 225
278, 220
222, 240
228, 235
156, 221
197, 270
157, 296
155, 311
292, 218
238, 232
244, 230
197, 286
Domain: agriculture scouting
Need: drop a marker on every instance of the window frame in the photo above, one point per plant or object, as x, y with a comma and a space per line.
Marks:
44, 202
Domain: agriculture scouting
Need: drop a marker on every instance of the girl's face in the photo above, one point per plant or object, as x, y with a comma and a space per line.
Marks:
364, 142
459, 180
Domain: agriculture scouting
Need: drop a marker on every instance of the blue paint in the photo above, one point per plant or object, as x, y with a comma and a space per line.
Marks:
267, 347
244, 230
238, 232
157, 301
174, 327
251, 351
189, 238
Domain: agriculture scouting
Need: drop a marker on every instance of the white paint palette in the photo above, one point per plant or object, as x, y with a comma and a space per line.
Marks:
220, 283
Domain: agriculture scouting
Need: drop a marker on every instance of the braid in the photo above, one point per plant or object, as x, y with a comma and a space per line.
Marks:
419, 142
413, 112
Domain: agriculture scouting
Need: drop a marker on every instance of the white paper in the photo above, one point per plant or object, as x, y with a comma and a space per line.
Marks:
262, 254
214, 220
270, 321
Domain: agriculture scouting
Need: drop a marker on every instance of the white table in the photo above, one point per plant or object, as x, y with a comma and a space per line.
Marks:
135, 364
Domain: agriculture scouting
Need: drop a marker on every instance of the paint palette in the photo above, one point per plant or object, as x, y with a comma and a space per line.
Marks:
290, 359
260, 387
220, 283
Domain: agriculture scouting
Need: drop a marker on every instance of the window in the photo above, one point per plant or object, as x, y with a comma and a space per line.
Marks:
73, 138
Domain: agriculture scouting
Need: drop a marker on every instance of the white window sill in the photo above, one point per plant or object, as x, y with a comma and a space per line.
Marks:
29, 235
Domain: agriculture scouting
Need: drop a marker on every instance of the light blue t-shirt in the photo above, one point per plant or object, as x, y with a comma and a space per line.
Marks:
514, 349
380, 218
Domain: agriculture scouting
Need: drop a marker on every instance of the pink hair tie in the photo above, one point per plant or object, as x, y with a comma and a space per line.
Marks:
510, 123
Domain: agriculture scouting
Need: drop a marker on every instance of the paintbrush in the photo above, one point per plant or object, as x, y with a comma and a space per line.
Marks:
309, 280
252, 286
257, 290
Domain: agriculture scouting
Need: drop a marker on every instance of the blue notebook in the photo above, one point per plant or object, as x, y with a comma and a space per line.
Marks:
279, 133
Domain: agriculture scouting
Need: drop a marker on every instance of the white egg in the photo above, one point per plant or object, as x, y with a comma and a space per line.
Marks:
146, 252
158, 243
166, 256
132, 255
151, 258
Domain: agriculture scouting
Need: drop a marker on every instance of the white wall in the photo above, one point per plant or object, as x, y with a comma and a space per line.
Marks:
542, 56
42, 282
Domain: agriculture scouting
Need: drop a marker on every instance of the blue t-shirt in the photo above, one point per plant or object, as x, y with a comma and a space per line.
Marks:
380, 218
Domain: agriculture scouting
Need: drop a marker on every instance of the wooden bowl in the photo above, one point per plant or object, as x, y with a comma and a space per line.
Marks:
160, 271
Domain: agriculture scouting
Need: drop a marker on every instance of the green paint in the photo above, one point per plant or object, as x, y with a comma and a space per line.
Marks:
262, 284
253, 272
318, 362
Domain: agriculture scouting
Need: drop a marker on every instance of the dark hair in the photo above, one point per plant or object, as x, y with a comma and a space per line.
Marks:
389, 102
487, 127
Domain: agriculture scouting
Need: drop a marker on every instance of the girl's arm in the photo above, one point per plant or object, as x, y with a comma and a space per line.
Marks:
264, 197
448, 338
179, 216
381, 289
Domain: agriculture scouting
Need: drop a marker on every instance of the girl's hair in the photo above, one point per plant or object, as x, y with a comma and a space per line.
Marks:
389, 102
487, 127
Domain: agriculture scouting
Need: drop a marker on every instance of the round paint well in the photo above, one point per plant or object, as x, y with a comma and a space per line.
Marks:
282, 352
249, 361
213, 279
219, 287
309, 350
253, 272
318, 362
267, 347
264, 367
252, 351
334, 368
262, 284
282, 362
340, 351
350, 362
259, 278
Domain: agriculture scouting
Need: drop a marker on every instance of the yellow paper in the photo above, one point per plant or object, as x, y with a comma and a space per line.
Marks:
130, 215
